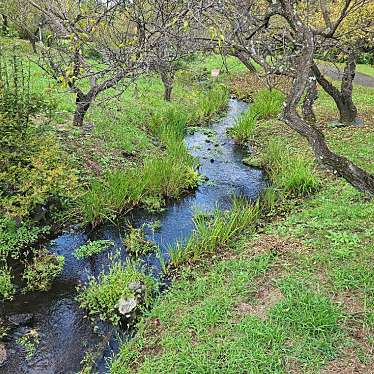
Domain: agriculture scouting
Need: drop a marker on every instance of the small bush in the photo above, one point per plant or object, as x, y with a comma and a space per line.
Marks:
14, 239
40, 274
100, 297
92, 248
7, 289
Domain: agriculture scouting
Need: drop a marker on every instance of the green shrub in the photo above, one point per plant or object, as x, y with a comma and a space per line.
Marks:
42, 170
33, 166
40, 274
92, 248
136, 244
7, 289
100, 297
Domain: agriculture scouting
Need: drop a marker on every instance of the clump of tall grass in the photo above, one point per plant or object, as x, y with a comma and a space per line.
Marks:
267, 104
213, 102
244, 127
170, 124
289, 173
214, 232
163, 175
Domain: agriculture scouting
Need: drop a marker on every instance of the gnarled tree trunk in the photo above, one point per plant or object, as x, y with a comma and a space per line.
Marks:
82, 104
309, 99
339, 165
343, 97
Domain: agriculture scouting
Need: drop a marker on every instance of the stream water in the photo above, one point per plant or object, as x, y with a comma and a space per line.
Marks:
65, 335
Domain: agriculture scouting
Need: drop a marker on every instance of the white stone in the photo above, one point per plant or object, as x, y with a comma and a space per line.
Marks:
126, 306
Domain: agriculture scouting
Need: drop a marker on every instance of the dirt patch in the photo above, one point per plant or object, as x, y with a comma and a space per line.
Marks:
245, 86
265, 296
348, 364
273, 243
351, 302
265, 300
152, 339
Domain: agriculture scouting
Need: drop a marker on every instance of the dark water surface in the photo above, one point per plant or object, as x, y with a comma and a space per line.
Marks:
65, 335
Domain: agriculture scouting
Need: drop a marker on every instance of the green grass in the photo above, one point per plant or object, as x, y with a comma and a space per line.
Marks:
292, 174
244, 127
267, 104
296, 296
366, 69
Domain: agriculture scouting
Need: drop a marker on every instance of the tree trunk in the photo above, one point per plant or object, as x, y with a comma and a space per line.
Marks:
82, 105
343, 98
339, 165
33, 44
167, 78
167, 93
349, 114
310, 97
245, 59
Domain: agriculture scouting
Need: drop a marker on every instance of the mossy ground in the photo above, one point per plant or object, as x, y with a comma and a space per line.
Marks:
296, 297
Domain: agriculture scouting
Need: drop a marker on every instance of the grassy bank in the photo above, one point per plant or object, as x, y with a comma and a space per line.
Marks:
295, 296
129, 153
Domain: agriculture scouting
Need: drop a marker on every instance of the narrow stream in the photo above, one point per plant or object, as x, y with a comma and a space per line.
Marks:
65, 335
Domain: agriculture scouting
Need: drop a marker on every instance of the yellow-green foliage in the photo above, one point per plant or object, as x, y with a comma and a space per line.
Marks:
36, 170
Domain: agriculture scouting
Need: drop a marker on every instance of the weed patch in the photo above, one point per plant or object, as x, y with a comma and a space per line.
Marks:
101, 297
40, 274
136, 244
92, 248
